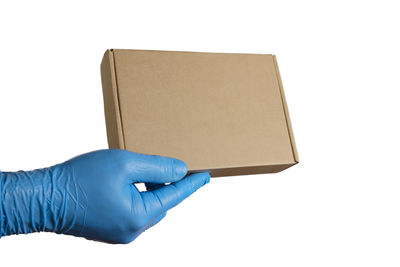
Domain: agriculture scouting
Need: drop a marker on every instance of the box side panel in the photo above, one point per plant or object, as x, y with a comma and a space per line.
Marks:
246, 170
111, 102
289, 124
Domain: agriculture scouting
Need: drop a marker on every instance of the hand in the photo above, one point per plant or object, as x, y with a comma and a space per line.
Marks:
94, 196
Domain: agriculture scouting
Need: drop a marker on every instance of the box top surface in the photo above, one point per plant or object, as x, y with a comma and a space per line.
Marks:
211, 110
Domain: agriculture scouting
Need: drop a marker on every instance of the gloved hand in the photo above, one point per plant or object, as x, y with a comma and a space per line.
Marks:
94, 196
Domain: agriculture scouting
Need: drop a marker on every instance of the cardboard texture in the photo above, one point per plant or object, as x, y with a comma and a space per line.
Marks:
221, 113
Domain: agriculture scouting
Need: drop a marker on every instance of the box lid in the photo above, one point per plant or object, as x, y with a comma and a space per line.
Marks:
223, 113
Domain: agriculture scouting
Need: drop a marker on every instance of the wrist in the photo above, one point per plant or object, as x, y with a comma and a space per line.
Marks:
41, 200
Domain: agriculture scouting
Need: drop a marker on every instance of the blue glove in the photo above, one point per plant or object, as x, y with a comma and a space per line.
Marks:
94, 196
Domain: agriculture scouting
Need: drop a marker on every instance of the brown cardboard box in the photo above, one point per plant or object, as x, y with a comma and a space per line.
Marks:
222, 113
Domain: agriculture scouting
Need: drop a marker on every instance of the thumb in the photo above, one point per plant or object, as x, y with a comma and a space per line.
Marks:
168, 196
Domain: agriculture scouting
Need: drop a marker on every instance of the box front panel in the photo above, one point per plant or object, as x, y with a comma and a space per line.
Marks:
210, 110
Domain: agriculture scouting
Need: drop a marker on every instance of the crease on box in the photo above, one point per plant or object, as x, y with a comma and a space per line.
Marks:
111, 102
286, 110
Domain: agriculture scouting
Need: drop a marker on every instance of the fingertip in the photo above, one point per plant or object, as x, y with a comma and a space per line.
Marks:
201, 178
180, 168
208, 178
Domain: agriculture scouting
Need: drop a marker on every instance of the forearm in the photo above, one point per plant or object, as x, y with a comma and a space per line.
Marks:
40, 200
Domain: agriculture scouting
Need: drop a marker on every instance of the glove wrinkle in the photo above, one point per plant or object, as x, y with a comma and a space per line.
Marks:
46, 199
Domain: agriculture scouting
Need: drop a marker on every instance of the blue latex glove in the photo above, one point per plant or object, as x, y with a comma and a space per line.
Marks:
94, 196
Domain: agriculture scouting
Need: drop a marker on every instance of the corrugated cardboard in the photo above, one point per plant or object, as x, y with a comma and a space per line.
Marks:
221, 113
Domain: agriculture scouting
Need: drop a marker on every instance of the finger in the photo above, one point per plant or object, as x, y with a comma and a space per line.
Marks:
168, 196
155, 169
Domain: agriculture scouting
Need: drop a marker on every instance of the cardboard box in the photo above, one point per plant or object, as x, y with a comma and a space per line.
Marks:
221, 113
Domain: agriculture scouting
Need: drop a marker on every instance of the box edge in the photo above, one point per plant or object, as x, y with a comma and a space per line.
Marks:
247, 170
286, 111
111, 102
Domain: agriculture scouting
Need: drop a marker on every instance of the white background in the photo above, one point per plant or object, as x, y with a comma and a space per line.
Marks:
340, 65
